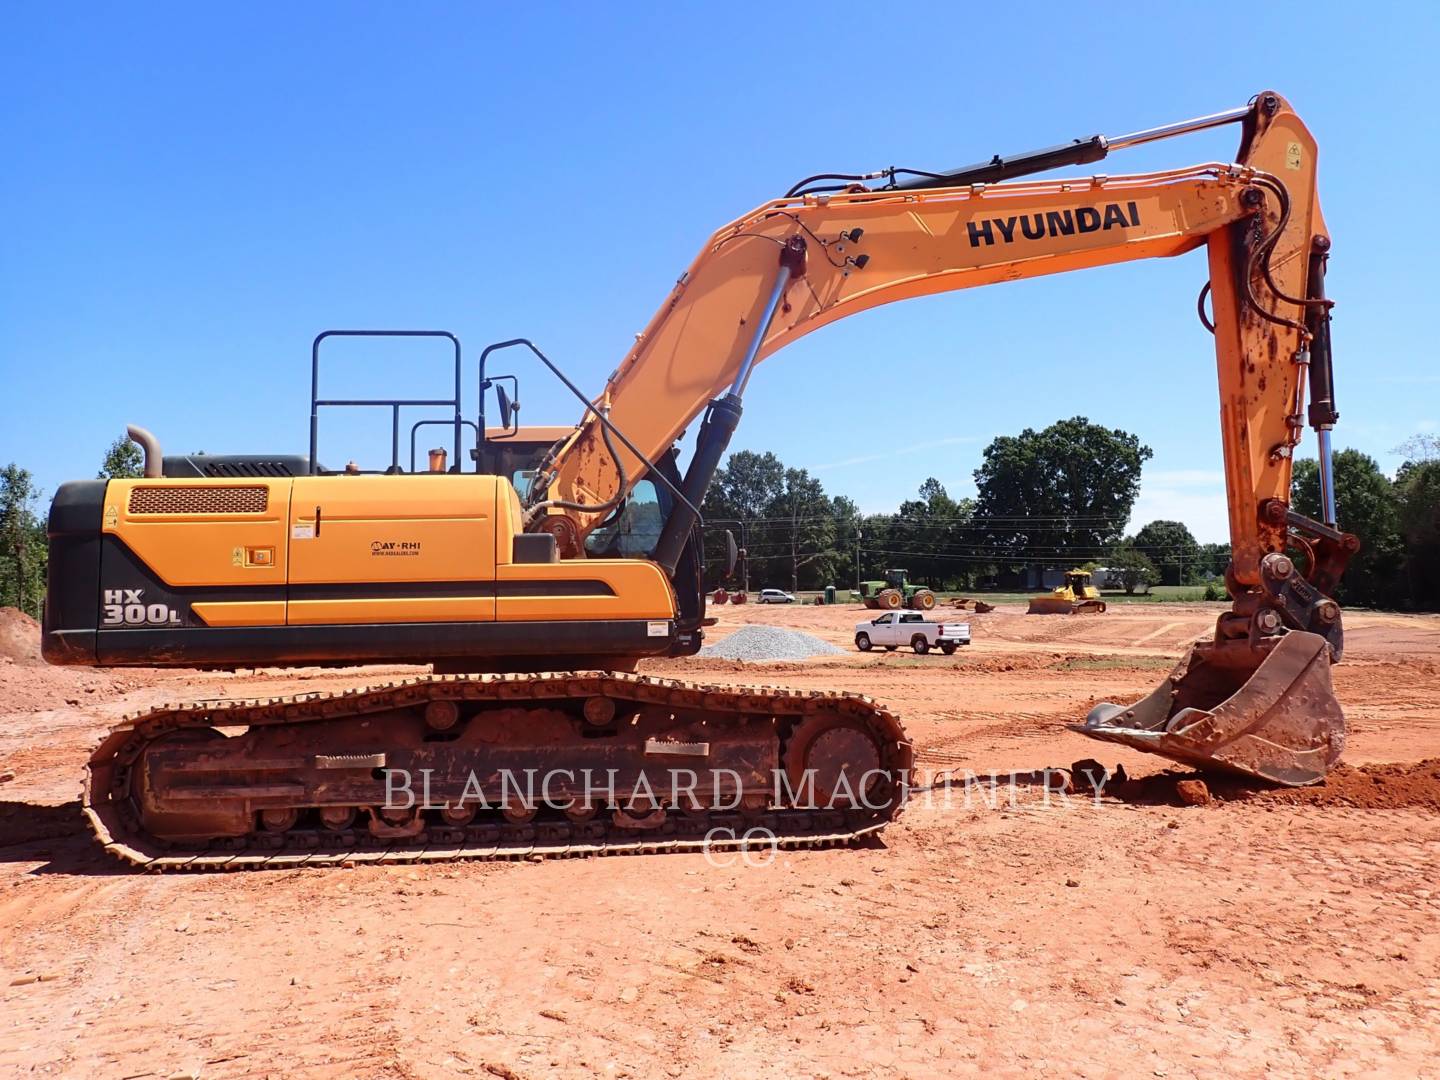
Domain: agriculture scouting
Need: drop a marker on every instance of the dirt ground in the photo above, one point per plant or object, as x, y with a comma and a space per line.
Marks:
1295, 932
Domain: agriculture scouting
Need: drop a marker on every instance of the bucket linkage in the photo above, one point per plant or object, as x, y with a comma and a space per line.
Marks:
1257, 700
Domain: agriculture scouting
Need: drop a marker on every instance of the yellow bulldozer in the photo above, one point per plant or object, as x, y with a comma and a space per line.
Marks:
1076, 597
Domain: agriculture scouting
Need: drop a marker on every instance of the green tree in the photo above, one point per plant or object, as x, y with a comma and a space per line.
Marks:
878, 541
848, 523
1366, 505
1419, 449
928, 532
1058, 495
123, 461
742, 491
804, 529
1173, 549
1418, 487
23, 548
1132, 567
792, 530
745, 486
1214, 558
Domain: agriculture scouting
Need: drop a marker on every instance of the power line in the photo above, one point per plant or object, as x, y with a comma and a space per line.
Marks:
941, 519
1016, 554
1027, 554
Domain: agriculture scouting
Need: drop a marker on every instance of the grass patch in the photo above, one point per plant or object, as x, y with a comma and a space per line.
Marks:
911, 660
1158, 594
1115, 663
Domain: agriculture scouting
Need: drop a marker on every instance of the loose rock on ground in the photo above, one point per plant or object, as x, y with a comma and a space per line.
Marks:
770, 643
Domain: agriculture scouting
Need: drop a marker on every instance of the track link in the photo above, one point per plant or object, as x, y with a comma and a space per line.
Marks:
796, 719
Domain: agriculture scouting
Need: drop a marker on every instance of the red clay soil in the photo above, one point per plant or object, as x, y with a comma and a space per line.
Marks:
1291, 932
1398, 786
1372, 787
19, 637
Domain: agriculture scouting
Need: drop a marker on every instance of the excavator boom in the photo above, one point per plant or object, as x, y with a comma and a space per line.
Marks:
795, 264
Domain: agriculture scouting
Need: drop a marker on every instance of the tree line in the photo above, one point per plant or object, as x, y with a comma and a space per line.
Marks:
1060, 498
1396, 518
24, 548
1055, 498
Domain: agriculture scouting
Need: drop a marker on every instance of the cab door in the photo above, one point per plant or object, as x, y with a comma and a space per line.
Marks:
884, 633
392, 549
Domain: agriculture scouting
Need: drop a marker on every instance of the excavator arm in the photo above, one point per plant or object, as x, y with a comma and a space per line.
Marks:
800, 262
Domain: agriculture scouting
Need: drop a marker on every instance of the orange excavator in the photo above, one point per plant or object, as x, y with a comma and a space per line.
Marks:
534, 576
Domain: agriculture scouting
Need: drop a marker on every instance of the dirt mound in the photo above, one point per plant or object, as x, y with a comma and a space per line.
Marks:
1365, 787
1372, 787
1010, 662
22, 822
19, 637
690, 667
35, 687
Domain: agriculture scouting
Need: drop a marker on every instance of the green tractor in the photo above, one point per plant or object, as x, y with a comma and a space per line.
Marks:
895, 592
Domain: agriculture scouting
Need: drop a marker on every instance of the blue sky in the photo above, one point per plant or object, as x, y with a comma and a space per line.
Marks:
191, 192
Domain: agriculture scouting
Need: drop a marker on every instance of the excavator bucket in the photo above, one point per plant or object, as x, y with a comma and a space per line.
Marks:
1265, 711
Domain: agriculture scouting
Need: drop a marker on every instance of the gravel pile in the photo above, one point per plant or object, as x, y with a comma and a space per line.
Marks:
770, 643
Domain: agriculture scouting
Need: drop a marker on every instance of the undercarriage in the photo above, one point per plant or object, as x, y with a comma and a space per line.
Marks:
510, 766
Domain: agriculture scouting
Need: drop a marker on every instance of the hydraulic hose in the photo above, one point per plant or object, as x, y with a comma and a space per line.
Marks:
589, 508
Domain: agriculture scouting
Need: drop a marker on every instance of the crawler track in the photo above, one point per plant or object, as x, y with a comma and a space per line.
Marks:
290, 757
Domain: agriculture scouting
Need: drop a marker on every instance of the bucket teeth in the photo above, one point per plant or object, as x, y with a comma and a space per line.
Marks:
1269, 713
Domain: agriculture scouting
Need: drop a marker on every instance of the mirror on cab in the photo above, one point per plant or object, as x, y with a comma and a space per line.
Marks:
509, 410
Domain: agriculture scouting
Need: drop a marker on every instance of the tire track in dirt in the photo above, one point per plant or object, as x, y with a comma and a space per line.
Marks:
312, 1019
1239, 938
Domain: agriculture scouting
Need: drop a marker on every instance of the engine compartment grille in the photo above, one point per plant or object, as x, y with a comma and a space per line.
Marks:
199, 500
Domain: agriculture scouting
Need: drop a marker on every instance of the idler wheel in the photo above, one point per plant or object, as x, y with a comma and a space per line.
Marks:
833, 763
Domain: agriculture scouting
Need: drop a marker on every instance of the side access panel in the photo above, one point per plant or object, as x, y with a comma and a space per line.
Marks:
192, 553
392, 549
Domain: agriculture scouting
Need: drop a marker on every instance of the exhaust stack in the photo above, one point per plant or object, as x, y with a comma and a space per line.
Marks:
154, 465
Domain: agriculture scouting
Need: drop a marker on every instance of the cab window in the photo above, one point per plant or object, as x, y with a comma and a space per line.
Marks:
912, 618
633, 530
883, 620
521, 479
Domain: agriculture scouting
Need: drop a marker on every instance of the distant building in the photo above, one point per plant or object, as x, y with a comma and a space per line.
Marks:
1035, 578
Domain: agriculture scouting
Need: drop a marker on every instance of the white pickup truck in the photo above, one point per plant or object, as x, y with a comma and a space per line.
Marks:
896, 628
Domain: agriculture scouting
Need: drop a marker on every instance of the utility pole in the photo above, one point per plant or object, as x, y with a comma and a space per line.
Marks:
857, 560
744, 552
745, 561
